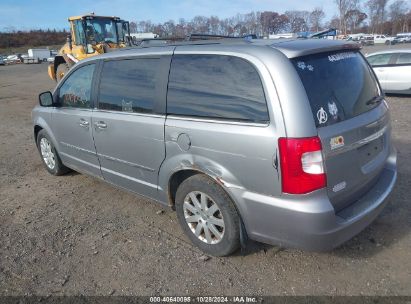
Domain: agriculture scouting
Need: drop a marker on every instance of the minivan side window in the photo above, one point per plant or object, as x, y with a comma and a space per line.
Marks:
216, 86
76, 89
129, 85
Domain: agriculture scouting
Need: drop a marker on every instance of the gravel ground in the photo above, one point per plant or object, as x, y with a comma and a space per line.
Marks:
74, 234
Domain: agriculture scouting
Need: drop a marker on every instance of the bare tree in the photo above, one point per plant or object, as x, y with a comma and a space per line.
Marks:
169, 28
265, 20
316, 17
398, 15
201, 24
279, 23
214, 23
273, 22
133, 27
343, 7
354, 18
297, 21
376, 12
395, 19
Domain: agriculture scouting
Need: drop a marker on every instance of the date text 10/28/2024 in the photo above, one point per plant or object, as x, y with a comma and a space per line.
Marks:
205, 299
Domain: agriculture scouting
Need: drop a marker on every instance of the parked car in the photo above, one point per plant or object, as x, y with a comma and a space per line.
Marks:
383, 39
2, 60
403, 37
285, 142
13, 59
367, 40
393, 69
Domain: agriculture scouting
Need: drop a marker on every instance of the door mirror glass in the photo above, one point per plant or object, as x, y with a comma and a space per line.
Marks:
46, 99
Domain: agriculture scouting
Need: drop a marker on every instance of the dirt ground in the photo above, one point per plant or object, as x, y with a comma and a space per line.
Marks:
73, 234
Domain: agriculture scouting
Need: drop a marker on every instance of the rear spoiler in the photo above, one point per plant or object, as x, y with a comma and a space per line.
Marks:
303, 47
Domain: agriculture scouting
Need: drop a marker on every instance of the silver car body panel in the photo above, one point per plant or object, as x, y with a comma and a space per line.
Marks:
141, 153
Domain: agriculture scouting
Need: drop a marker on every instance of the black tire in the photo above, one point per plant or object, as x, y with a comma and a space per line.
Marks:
230, 240
62, 70
58, 168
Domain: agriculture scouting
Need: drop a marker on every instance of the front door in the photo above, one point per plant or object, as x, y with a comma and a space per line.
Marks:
72, 122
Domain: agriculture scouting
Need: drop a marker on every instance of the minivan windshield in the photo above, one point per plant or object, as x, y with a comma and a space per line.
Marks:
339, 85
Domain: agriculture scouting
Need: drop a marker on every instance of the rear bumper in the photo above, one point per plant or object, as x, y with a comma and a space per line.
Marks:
309, 221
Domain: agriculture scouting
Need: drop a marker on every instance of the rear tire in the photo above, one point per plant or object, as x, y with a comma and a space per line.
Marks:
208, 216
62, 70
49, 156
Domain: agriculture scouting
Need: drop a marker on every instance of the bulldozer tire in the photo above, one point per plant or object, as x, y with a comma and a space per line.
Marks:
62, 70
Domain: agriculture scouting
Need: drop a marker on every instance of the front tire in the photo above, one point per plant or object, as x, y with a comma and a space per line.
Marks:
208, 216
49, 155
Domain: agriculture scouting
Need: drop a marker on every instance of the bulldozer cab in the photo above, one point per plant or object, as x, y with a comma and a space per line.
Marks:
92, 32
90, 35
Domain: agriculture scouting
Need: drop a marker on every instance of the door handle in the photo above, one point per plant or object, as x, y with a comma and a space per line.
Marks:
101, 125
84, 123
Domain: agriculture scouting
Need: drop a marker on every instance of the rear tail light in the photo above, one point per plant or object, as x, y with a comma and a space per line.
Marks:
302, 168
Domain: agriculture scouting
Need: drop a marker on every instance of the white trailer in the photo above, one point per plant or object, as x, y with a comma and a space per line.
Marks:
140, 36
39, 54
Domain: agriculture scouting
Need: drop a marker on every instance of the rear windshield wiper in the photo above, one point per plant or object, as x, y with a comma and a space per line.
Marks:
374, 100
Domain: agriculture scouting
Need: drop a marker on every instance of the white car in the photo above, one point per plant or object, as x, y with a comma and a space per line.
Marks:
393, 69
382, 39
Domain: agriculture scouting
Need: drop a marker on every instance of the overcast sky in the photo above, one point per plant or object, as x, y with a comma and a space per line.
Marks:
34, 14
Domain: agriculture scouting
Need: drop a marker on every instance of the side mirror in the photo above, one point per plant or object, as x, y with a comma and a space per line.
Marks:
46, 99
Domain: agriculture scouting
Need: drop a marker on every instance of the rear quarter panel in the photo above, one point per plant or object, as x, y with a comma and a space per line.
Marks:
238, 155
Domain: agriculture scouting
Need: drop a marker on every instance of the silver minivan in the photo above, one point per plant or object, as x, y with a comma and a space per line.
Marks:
284, 142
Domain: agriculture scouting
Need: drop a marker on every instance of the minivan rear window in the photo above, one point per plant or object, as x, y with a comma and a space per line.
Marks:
339, 85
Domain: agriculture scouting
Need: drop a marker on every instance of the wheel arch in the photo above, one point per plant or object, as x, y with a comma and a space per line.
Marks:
175, 181
181, 175
37, 129
178, 176
41, 124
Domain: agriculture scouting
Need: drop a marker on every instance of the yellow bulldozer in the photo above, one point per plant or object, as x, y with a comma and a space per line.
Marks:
90, 35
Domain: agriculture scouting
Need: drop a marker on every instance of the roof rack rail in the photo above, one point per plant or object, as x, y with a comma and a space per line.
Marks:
195, 36
156, 41
189, 39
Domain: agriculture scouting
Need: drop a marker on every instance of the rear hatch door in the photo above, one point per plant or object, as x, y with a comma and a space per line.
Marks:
352, 120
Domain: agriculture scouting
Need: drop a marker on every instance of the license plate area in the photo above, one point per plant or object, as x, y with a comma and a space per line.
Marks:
370, 150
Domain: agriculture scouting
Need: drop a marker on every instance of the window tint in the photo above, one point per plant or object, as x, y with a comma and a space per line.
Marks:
404, 58
129, 85
381, 59
216, 87
339, 85
76, 89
